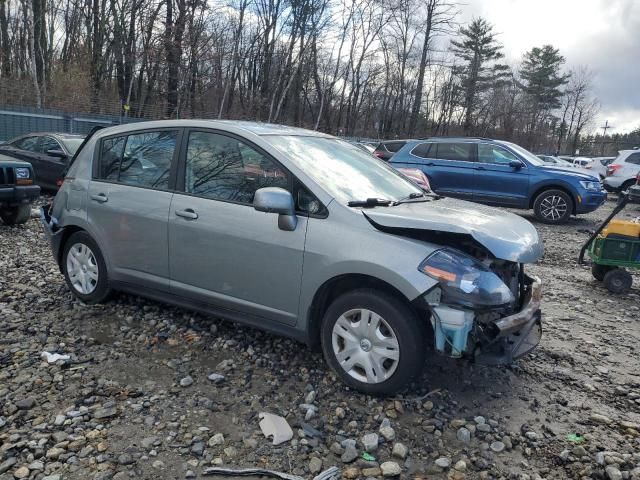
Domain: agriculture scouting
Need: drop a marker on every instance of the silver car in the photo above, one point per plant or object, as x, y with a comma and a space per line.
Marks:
299, 233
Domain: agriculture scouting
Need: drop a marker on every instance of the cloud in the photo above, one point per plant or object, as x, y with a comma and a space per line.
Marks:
603, 35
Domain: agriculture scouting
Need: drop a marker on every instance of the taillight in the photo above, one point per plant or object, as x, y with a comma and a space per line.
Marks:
378, 154
613, 168
59, 182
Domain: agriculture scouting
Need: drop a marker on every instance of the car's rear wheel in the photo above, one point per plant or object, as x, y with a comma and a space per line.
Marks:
372, 341
84, 268
618, 280
16, 215
627, 185
553, 206
599, 271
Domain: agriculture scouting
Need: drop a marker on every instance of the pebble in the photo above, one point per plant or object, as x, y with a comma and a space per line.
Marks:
216, 378
370, 442
464, 435
388, 433
315, 465
186, 381
400, 451
613, 473
443, 462
599, 418
217, 439
349, 455
390, 469
22, 472
26, 403
105, 413
497, 446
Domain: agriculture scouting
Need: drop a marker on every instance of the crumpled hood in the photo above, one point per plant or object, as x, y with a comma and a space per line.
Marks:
506, 235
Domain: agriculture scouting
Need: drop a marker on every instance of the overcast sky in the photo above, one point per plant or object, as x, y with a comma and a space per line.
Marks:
601, 34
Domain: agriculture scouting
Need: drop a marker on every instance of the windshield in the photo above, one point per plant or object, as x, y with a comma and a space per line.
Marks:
72, 144
529, 157
343, 170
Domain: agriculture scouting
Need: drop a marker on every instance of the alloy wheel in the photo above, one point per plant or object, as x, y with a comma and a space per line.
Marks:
553, 207
365, 346
82, 268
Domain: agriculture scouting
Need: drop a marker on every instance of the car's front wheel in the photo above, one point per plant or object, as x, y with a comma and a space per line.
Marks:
84, 268
16, 215
553, 206
372, 341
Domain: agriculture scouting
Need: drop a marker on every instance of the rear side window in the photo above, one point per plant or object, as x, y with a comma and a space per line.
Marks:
29, 144
142, 159
634, 158
393, 147
423, 150
49, 143
455, 151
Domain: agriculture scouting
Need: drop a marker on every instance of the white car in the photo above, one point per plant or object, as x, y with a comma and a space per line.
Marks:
582, 162
621, 173
600, 165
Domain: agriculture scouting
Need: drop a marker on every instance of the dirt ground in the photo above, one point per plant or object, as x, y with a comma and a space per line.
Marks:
134, 400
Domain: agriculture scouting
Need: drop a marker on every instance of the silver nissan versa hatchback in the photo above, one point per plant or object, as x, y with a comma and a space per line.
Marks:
299, 233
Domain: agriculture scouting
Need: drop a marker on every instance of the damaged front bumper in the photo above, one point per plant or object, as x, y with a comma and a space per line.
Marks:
52, 231
487, 337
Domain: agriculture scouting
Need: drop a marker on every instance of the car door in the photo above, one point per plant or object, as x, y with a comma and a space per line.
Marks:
450, 167
51, 167
497, 181
129, 199
221, 250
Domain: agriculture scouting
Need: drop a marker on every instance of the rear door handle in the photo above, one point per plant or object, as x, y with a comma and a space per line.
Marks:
188, 213
100, 197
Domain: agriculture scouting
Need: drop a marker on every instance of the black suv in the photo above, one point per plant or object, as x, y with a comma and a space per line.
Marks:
17, 190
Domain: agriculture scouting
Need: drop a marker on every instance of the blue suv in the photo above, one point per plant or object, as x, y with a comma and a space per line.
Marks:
504, 174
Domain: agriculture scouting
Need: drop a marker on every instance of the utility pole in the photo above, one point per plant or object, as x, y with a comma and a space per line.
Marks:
605, 127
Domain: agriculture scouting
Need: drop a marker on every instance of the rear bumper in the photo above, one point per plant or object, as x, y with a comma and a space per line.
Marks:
15, 195
591, 201
52, 232
614, 183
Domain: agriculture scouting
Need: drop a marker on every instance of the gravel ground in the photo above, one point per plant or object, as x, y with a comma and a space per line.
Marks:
135, 399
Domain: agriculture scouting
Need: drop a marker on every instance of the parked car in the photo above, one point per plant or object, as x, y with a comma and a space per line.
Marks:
230, 211
600, 164
416, 175
502, 174
365, 147
386, 150
622, 171
583, 162
48, 154
17, 190
553, 160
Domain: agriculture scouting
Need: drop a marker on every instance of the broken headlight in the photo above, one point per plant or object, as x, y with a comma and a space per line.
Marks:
465, 281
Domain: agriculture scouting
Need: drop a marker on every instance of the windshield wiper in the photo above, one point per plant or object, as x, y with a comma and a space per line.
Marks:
370, 202
412, 196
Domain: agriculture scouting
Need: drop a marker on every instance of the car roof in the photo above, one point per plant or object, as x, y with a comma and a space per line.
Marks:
62, 135
257, 128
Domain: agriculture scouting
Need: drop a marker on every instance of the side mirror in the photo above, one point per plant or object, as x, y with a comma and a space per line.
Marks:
56, 153
280, 201
517, 164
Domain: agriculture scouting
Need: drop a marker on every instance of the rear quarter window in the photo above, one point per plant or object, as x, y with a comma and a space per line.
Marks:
422, 150
634, 158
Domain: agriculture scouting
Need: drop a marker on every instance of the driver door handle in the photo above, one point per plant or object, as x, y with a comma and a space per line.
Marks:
188, 213
100, 198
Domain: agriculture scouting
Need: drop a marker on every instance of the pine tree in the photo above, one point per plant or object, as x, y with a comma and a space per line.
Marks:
477, 47
542, 78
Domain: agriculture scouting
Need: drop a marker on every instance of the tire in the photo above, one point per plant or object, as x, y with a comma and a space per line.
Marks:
84, 268
599, 271
618, 280
401, 341
553, 207
627, 185
16, 215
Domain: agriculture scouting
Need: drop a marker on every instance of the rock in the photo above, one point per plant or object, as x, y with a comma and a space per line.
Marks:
315, 465
36, 465
7, 464
216, 378
158, 464
22, 472
460, 466
464, 435
613, 473
349, 455
217, 439
311, 397
186, 381
105, 413
599, 418
55, 476
125, 459
400, 451
351, 473
483, 427
59, 420
579, 451
497, 446
533, 436
25, 403
443, 462
197, 448
148, 442
231, 452
370, 442
390, 469
340, 413
388, 433
54, 453
190, 474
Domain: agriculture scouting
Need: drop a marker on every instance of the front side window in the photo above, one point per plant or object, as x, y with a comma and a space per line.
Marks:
142, 159
497, 155
394, 147
30, 144
224, 168
342, 170
49, 143
455, 151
